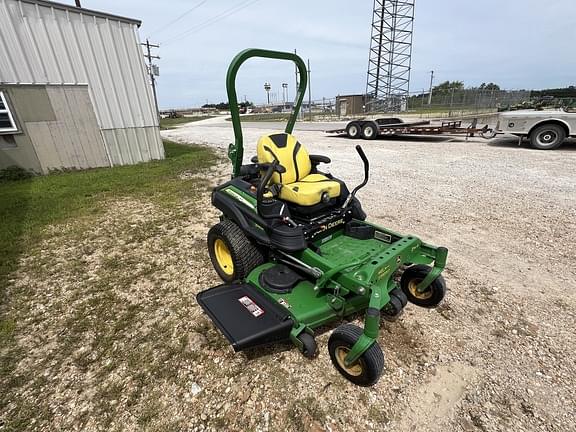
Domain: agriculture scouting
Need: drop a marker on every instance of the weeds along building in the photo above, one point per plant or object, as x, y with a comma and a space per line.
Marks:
74, 90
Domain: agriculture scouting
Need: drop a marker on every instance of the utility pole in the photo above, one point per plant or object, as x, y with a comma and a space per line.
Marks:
296, 73
431, 84
151, 71
309, 92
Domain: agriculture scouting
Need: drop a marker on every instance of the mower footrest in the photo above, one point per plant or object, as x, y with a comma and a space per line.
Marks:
245, 316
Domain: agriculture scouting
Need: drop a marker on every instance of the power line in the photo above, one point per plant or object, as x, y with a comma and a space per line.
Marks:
151, 70
226, 13
213, 20
196, 6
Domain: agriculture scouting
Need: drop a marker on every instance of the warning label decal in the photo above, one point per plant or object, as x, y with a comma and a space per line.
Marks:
252, 307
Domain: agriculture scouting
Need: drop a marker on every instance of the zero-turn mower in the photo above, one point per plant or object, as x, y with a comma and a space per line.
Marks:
295, 252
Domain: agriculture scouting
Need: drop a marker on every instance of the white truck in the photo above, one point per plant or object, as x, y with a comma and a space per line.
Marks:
545, 129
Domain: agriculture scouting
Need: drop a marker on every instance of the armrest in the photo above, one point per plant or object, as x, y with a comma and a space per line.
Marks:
317, 159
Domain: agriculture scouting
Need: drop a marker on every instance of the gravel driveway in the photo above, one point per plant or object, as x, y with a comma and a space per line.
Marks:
500, 354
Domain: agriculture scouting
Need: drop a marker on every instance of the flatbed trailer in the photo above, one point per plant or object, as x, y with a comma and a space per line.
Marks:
371, 129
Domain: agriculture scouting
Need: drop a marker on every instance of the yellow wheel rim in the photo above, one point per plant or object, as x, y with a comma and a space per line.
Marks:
355, 369
223, 257
413, 288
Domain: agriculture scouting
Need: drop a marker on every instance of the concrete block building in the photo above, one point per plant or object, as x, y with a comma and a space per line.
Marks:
74, 89
350, 104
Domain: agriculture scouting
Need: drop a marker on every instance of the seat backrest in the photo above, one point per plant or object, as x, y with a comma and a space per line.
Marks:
286, 149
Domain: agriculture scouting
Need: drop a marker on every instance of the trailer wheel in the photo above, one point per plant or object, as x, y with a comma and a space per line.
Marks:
547, 137
353, 130
370, 130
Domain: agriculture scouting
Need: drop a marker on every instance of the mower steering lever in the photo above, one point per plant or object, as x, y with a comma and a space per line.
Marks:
272, 167
366, 176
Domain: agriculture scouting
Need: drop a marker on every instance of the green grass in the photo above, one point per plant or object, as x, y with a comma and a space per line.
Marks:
283, 117
28, 206
266, 117
171, 123
53, 222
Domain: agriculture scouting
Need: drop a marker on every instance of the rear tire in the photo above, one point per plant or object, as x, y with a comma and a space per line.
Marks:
547, 137
233, 255
370, 130
367, 369
353, 130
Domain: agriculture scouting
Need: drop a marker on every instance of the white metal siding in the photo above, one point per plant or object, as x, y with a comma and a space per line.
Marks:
51, 45
73, 139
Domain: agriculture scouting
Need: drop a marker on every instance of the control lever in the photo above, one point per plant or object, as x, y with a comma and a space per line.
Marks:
366, 176
273, 167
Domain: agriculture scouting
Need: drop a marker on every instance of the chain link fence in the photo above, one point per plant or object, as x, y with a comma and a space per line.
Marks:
466, 101
452, 103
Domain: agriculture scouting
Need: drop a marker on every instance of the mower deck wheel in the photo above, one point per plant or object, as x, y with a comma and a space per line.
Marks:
432, 296
309, 346
233, 255
392, 310
367, 369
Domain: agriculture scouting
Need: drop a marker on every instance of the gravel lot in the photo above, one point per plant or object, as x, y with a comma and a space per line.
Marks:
500, 354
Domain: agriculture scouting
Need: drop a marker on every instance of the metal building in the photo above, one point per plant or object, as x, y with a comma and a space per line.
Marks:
347, 105
74, 91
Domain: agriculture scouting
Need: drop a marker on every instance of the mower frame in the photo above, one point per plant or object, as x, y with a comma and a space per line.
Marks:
347, 273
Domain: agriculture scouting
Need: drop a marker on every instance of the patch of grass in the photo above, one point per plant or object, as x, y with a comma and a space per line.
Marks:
272, 117
14, 173
284, 117
171, 123
28, 206
100, 330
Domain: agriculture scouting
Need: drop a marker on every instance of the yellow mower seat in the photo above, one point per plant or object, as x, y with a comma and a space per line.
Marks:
298, 184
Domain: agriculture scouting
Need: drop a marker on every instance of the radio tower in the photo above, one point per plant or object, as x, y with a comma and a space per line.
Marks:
390, 59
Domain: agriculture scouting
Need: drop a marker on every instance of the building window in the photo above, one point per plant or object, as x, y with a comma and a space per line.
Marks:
7, 123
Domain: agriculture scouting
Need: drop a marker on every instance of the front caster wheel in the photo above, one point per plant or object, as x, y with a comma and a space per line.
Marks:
432, 296
367, 369
309, 346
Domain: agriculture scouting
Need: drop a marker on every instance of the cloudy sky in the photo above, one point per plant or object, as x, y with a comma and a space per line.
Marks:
515, 43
